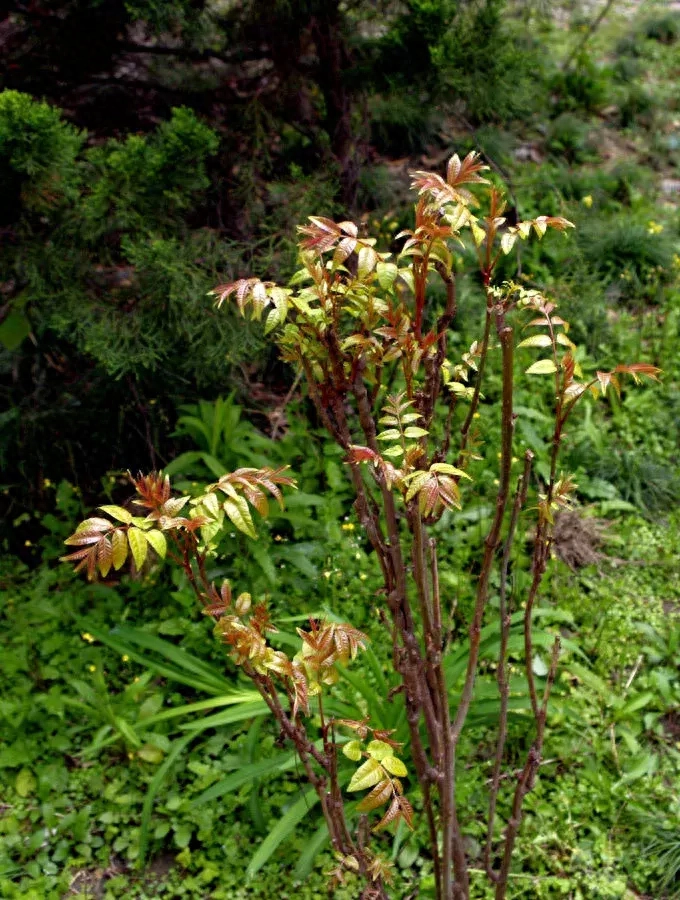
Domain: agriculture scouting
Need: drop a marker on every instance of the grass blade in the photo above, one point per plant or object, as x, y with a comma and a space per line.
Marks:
188, 708
283, 829
188, 669
280, 763
313, 847
241, 712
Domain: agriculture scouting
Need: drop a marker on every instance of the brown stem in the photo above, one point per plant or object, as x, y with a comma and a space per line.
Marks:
333, 812
451, 833
312, 387
491, 541
443, 451
502, 673
433, 365
526, 780
538, 568
408, 658
490, 544
420, 576
465, 429
541, 554
334, 801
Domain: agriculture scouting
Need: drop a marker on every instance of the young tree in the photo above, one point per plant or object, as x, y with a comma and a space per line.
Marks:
353, 322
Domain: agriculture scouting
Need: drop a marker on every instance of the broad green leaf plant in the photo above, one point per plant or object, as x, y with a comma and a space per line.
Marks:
366, 334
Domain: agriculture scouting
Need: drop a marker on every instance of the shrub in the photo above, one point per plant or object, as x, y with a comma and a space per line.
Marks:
371, 341
628, 253
665, 29
143, 183
401, 123
495, 73
101, 263
636, 106
37, 156
582, 86
570, 138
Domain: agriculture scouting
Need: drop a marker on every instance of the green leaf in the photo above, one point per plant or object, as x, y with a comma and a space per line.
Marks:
158, 542
406, 276
119, 546
457, 388
184, 463
634, 705
25, 783
14, 329
283, 829
211, 505
536, 340
375, 702
478, 233
414, 431
542, 367
352, 750
394, 451
217, 468
394, 766
261, 556
151, 754
118, 513
645, 765
277, 316
183, 834
366, 775
138, 545
447, 469
387, 273
367, 259
508, 242
128, 732
379, 750
238, 512
420, 479
392, 434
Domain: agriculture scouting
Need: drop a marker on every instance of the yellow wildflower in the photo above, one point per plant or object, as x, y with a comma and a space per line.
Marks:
86, 636
587, 201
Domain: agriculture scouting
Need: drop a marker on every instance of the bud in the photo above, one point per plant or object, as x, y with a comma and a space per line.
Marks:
242, 604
